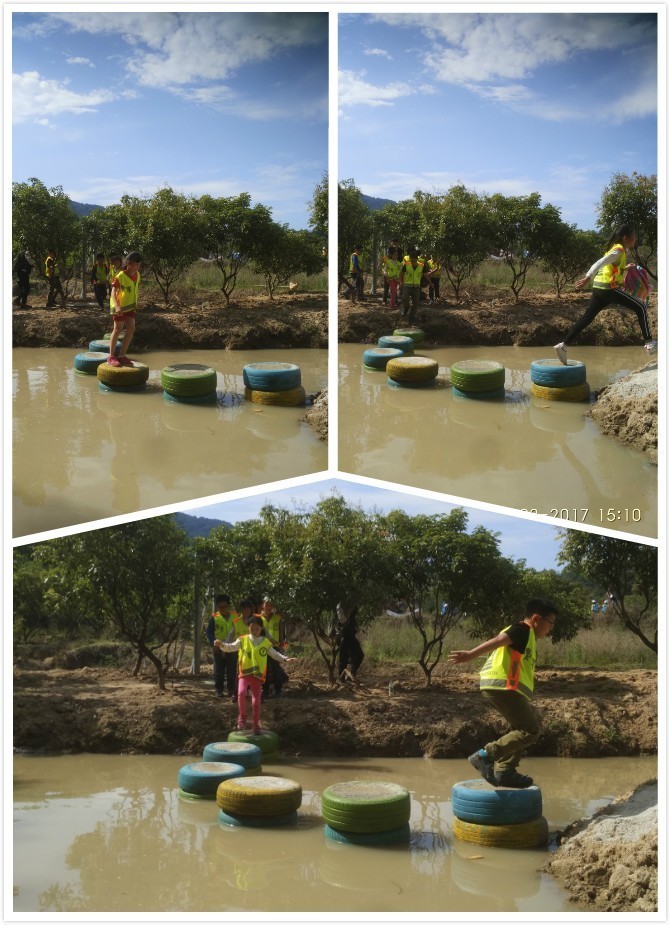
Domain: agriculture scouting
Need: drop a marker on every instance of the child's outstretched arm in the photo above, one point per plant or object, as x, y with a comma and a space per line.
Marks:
466, 655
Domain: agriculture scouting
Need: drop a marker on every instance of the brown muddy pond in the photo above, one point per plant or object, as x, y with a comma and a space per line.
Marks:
523, 452
110, 833
81, 454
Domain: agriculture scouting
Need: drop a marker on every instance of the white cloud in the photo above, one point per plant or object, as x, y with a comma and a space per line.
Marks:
382, 53
77, 60
354, 91
34, 96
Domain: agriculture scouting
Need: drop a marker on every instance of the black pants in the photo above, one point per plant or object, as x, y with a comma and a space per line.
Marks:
435, 287
55, 289
386, 290
225, 671
276, 675
410, 302
100, 292
23, 286
350, 653
600, 299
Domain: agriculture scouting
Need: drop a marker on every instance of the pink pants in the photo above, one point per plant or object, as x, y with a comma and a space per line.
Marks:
256, 686
393, 289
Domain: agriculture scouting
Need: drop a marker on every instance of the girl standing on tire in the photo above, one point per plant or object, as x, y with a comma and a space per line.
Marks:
123, 308
252, 664
608, 276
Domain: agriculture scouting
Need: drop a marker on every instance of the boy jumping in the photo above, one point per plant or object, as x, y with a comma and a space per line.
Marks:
507, 681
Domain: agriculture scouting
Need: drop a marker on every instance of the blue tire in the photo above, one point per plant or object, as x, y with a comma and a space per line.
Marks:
378, 357
89, 362
258, 822
392, 837
209, 399
271, 377
243, 753
475, 801
555, 375
486, 396
397, 342
103, 346
203, 777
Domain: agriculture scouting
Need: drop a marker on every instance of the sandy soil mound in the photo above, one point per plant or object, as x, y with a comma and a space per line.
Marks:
610, 861
628, 409
317, 415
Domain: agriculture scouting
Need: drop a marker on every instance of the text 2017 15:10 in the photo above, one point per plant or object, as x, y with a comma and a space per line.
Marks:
606, 514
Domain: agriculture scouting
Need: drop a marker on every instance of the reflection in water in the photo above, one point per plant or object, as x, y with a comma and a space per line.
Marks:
524, 452
81, 453
111, 833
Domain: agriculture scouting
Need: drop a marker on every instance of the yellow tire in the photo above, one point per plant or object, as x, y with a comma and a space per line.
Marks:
569, 393
287, 397
518, 835
412, 369
123, 377
259, 796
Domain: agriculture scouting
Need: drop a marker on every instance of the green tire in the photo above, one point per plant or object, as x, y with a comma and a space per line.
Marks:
267, 740
417, 335
188, 379
477, 375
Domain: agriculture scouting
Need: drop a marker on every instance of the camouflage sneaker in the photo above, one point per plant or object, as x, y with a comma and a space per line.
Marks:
483, 766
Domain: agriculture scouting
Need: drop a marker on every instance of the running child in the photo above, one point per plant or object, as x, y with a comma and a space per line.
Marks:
123, 308
507, 681
253, 650
608, 279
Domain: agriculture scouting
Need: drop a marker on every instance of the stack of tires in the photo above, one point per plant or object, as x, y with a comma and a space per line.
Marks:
398, 342
363, 812
554, 381
189, 383
122, 378
86, 364
242, 753
482, 379
201, 779
273, 384
267, 741
417, 335
501, 817
376, 358
412, 372
258, 801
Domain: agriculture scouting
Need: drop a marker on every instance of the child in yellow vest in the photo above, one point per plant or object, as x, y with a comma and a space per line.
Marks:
253, 650
123, 308
99, 276
507, 681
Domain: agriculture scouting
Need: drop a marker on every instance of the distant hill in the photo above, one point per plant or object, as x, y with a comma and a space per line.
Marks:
83, 208
199, 526
374, 203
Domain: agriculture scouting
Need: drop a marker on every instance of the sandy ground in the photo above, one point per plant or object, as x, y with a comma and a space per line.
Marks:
628, 409
610, 861
317, 415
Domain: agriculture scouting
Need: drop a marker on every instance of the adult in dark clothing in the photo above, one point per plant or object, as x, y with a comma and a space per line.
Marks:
350, 652
219, 627
23, 268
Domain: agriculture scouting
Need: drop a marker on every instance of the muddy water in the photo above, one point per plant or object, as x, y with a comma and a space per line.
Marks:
81, 454
523, 452
111, 833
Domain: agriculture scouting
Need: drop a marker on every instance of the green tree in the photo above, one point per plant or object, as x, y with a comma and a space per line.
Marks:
524, 231
628, 570
288, 253
354, 225
168, 230
574, 251
633, 200
128, 577
318, 210
107, 230
461, 233
30, 609
235, 233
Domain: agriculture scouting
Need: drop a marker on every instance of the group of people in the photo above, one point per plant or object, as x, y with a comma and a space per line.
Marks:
608, 601
412, 277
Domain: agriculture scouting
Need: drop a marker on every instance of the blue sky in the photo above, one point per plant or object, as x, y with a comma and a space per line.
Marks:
220, 103
513, 103
519, 539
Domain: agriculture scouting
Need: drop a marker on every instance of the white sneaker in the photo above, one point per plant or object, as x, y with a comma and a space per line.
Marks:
651, 347
562, 352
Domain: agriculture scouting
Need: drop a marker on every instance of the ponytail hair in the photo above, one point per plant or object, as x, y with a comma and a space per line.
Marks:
623, 231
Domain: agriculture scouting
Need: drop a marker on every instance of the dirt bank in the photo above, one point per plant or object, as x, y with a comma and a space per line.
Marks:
317, 415
628, 409
200, 322
610, 861
493, 319
585, 713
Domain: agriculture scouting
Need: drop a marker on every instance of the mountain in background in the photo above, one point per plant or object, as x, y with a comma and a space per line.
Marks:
199, 526
83, 208
374, 203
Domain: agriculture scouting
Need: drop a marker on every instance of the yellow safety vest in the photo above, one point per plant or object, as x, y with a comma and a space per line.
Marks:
239, 626
509, 670
127, 292
611, 275
436, 268
223, 625
392, 268
253, 660
51, 263
413, 274
95, 273
272, 625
